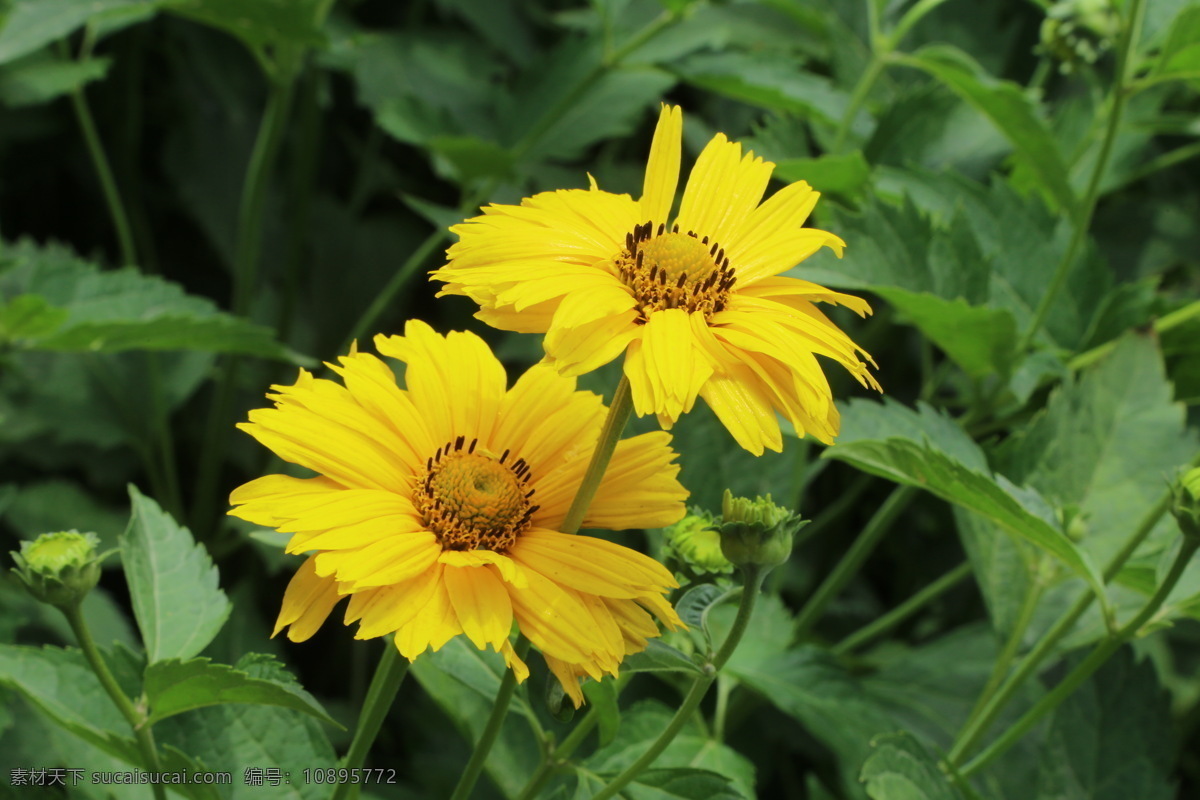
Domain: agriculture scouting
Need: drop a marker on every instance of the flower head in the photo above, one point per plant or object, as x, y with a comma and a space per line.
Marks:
59, 568
436, 507
696, 302
757, 532
696, 542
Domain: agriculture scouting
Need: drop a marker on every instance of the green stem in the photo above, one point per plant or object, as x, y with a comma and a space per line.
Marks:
903, 611
1100, 654
753, 584
614, 424
135, 718
724, 690
846, 569
1092, 196
491, 730
1161, 325
559, 756
859, 96
1011, 647
112, 197
245, 278
384, 686
974, 729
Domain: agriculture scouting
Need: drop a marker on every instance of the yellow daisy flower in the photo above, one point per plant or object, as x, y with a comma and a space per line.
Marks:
436, 508
695, 303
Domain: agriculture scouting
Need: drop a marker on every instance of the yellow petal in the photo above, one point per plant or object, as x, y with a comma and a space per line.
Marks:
640, 488
306, 602
389, 608
392, 560
556, 623
666, 371
268, 500
722, 190
582, 348
434, 624
508, 569
745, 413
514, 662
782, 212
481, 602
568, 675
662, 168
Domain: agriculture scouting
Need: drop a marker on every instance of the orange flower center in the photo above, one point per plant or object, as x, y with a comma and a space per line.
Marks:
472, 501
674, 270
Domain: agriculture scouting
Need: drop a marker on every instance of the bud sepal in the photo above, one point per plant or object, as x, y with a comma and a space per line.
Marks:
757, 533
59, 568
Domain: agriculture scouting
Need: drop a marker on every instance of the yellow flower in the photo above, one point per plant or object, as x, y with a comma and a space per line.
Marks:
436, 507
695, 303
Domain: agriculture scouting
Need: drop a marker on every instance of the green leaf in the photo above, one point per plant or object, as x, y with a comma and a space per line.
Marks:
725, 772
660, 657
111, 311
175, 686
837, 174
1110, 739
1180, 51
233, 738
901, 768
172, 583
602, 697
259, 24
32, 24
41, 77
919, 462
1009, 109
768, 80
28, 316
696, 601
980, 340
463, 681
61, 684
469, 158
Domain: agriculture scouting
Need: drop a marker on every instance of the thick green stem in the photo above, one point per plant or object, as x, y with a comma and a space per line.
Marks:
135, 718
245, 278
753, 585
1100, 654
1092, 196
848, 567
559, 756
508, 685
1161, 325
614, 425
978, 725
380, 696
903, 611
112, 197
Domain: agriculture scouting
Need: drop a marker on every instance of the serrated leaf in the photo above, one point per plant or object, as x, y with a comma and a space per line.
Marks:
233, 738
920, 463
980, 340
61, 684
901, 768
32, 24
175, 686
116, 310
838, 174
172, 583
659, 657
1009, 109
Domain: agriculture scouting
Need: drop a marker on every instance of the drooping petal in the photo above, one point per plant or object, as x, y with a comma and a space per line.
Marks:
481, 602
306, 603
589, 565
388, 608
665, 370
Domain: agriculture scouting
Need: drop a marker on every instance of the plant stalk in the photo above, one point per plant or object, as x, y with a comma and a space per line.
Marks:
614, 425
380, 696
903, 611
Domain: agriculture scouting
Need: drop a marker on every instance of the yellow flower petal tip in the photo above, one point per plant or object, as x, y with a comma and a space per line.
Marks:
436, 507
697, 302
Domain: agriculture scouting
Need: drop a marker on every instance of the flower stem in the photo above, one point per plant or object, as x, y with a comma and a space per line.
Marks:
871, 535
380, 696
1092, 196
560, 754
508, 685
903, 611
1100, 654
1161, 325
135, 718
753, 585
610, 434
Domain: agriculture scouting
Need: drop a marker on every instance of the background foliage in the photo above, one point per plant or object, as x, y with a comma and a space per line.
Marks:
198, 196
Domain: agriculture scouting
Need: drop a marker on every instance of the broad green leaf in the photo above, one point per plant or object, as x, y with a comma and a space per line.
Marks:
929, 126
691, 749
602, 699
463, 681
41, 77
63, 687
175, 686
258, 24
694, 606
31, 24
111, 311
28, 316
660, 657
768, 633
172, 583
980, 340
901, 768
232, 738
1109, 740
468, 158
918, 462
1009, 109
768, 80
838, 174
1180, 51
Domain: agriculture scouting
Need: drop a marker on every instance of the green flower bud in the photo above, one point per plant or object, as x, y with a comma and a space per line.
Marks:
696, 542
1186, 505
59, 568
757, 532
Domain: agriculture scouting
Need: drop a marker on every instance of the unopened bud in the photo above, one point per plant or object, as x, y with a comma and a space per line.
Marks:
757, 532
59, 568
696, 542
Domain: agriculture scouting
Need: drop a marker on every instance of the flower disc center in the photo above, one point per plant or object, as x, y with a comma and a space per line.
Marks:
670, 269
473, 501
